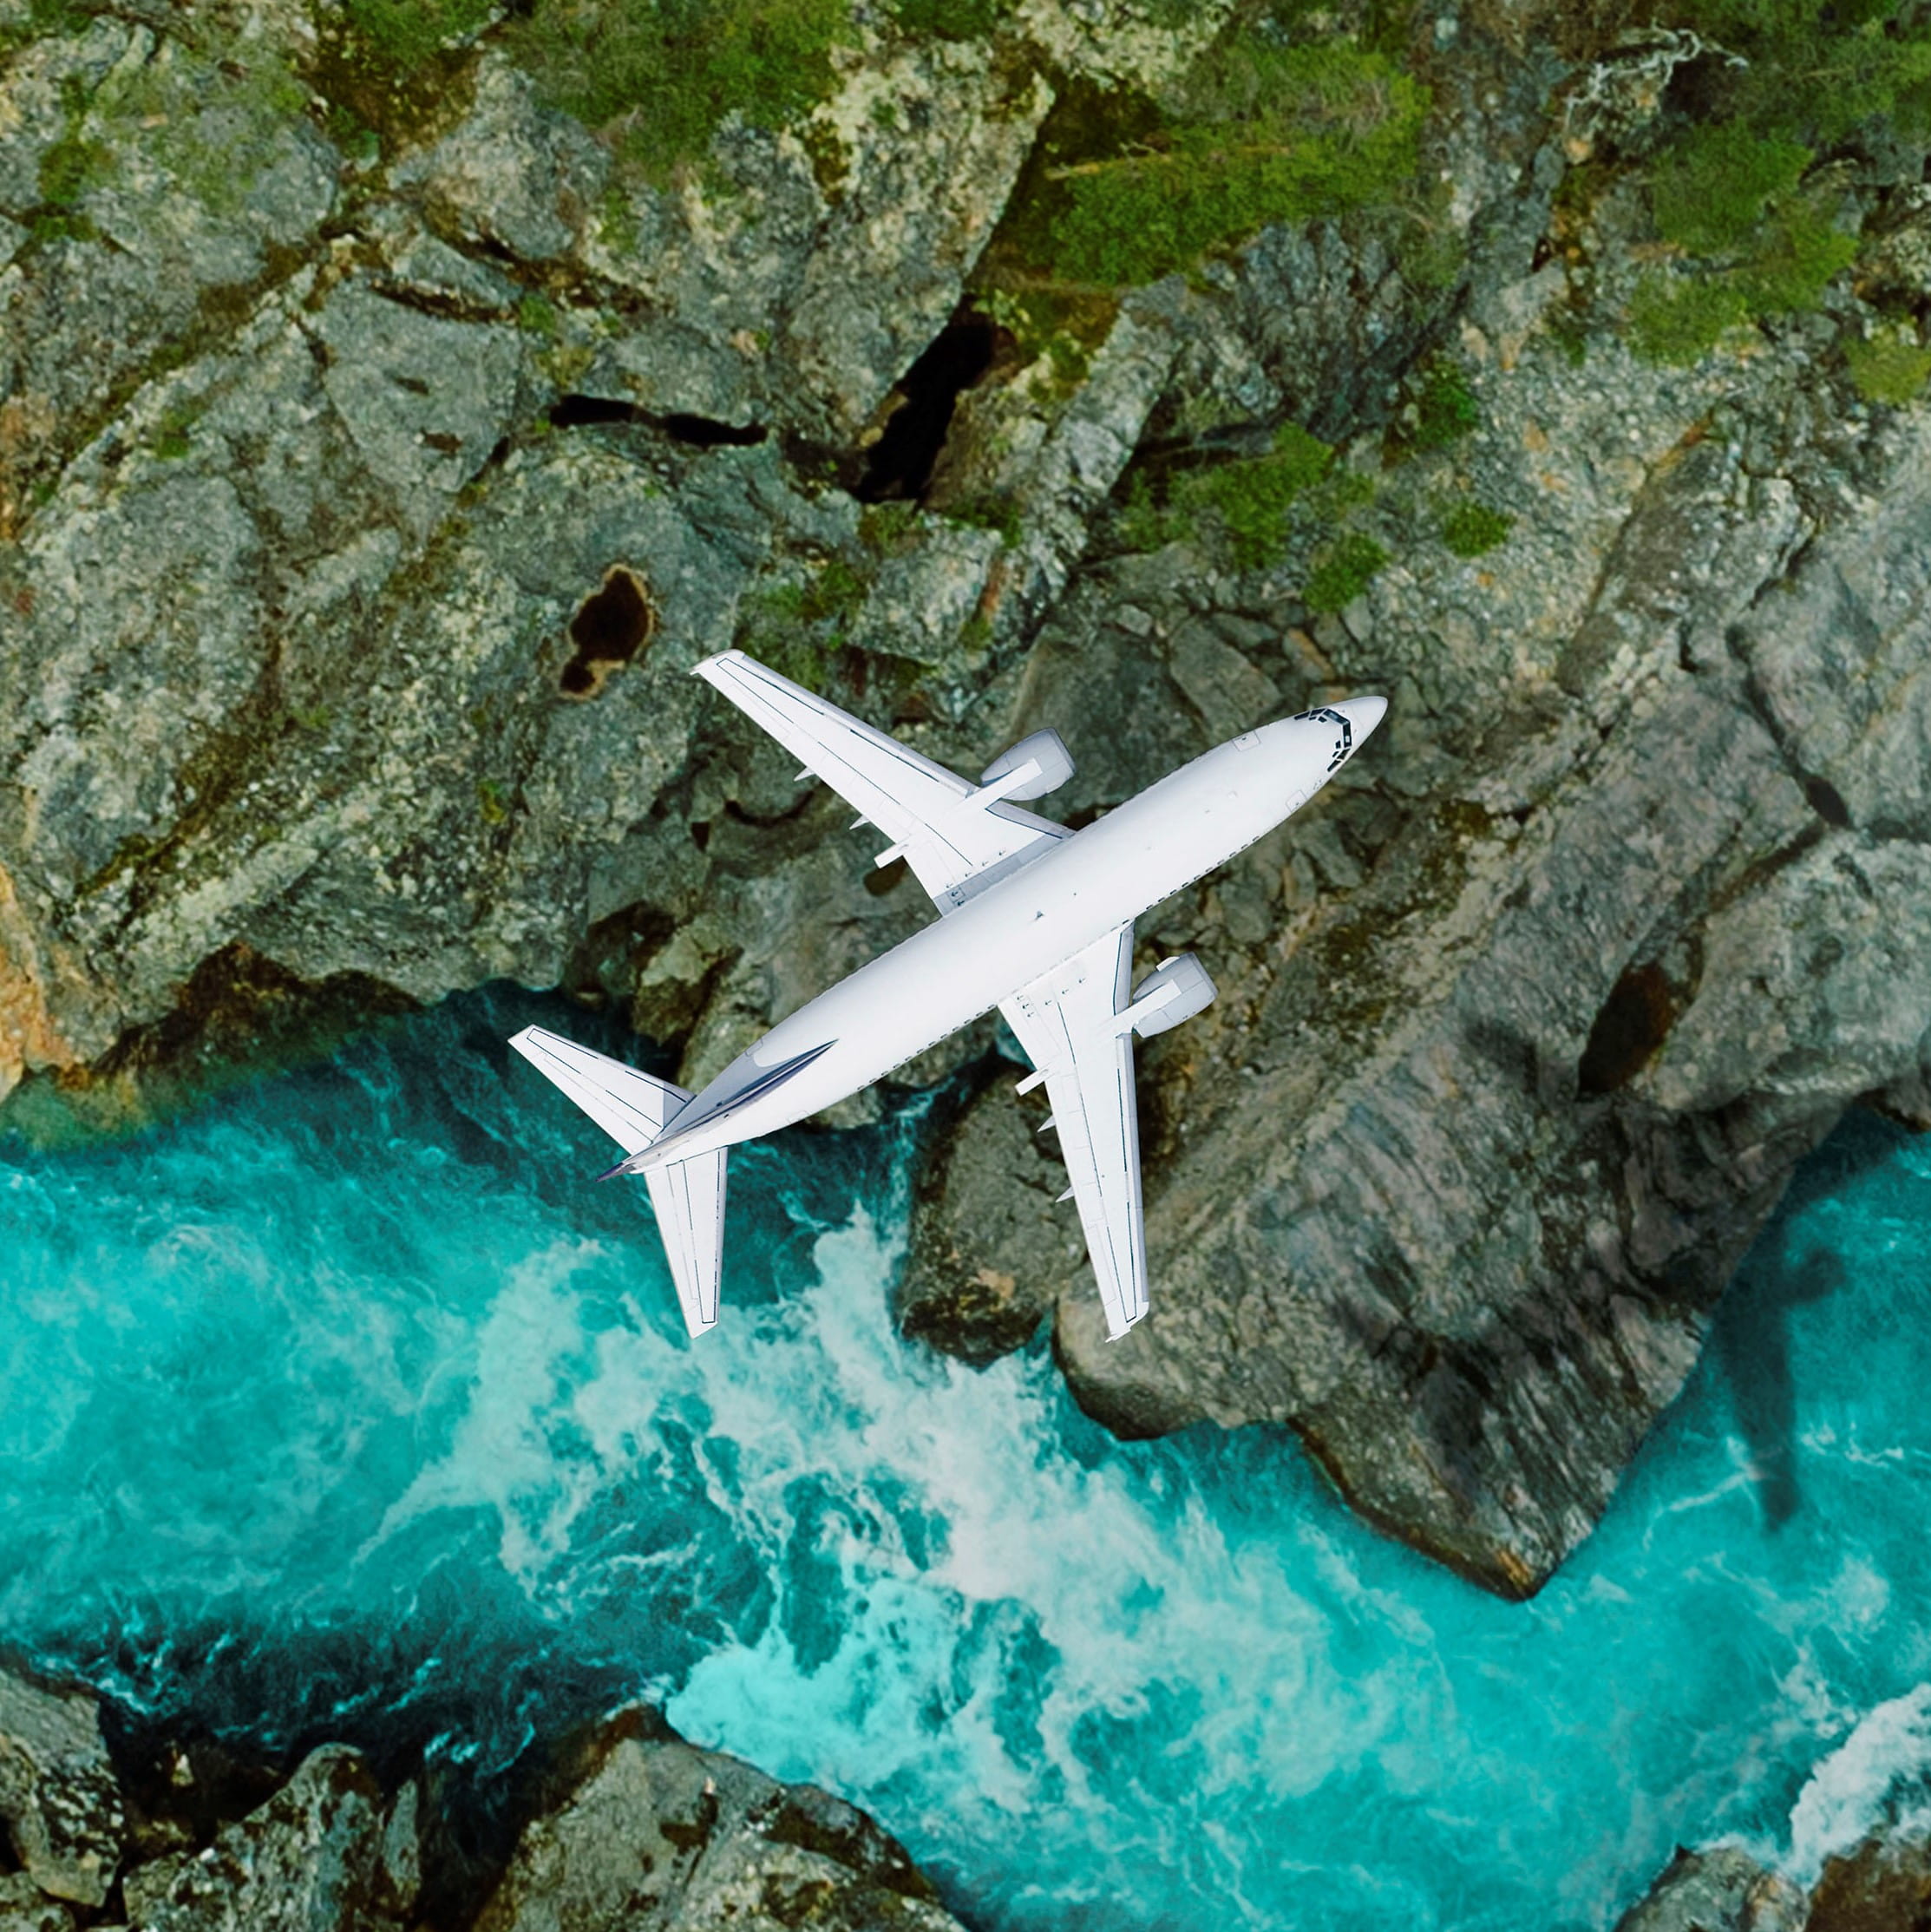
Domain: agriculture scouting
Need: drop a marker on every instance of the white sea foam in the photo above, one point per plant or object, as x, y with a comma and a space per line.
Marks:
1880, 1774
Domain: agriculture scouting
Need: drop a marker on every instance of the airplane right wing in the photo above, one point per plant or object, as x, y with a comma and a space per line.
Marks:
955, 836
1072, 1022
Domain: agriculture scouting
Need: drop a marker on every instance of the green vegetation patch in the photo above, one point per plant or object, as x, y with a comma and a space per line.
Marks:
1445, 407
1783, 80
1258, 133
1675, 320
952, 19
409, 35
1349, 567
657, 77
1811, 71
1473, 529
1248, 498
1888, 370
1252, 496
1713, 187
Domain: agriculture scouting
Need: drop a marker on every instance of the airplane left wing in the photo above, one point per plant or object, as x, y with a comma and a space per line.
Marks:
957, 837
1072, 1022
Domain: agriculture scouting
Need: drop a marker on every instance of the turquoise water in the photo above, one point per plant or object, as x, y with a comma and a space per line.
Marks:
348, 1406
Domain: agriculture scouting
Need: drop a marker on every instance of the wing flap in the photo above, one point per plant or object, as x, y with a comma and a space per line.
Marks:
1071, 1024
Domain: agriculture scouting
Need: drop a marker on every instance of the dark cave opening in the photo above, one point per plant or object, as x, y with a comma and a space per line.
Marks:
898, 465
583, 412
610, 626
1634, 1021
702, 433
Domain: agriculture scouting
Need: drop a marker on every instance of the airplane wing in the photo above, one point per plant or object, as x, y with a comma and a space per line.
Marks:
1073, 1026
957, 838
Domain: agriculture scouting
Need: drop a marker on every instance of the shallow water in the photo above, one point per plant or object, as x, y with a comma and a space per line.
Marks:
347, 1406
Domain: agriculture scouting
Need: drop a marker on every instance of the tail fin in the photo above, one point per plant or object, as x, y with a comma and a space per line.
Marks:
633, 1108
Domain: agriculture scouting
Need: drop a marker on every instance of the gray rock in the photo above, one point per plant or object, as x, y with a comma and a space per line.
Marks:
309, 1860
25, 1908
58, 1799
1464, 1224
1721, 1891
990, 1245
653, 1833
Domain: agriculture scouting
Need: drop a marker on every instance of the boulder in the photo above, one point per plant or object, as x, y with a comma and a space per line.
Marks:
650, 1834
314, 1858
1883, 1886
59, 1801
1720, 1890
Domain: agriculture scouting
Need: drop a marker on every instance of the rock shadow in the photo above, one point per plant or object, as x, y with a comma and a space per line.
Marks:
1751, 1335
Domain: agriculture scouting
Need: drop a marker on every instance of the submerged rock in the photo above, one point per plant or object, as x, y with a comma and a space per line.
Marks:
651, 1832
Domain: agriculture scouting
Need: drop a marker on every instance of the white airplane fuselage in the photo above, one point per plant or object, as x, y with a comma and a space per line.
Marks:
965, 963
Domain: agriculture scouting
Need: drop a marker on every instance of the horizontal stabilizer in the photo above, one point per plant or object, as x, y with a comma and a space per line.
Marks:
633, 1108
629, 1106
689, 1197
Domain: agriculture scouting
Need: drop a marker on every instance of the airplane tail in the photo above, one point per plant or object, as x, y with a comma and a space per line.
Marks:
633, 1108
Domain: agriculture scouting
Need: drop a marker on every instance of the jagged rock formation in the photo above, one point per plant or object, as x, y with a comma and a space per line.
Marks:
362, 506
631, 1827
1884, 1885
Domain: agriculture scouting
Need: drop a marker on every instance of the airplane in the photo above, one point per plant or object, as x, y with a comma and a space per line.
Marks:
1035, 918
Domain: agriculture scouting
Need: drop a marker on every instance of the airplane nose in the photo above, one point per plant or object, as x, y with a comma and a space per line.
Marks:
1364, 714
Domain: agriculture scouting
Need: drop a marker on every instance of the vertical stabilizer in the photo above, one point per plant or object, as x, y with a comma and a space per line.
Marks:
689, 1197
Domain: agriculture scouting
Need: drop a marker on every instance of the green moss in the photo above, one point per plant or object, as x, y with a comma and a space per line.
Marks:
888, 529
538, 314
70, 168
1248, 499
1713, 189
492, 801
989, 513
1677, 320
658, 79
1797, 253
1344, 572
1261, 134
1061, 327
1888, 370
952, 19
1143, 523
408, 35
1473, 529
1252, 496
1446, 410
1811, 71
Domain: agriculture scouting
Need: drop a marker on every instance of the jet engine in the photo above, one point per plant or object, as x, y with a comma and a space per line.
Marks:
1054, 760
1175, 989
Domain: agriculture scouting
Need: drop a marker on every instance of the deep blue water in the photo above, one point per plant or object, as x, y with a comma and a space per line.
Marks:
347, 1404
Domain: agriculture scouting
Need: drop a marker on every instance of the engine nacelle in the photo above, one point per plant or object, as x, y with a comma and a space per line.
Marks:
1046, 749
1175, 989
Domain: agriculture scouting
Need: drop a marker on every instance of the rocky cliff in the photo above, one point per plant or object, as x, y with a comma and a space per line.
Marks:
625, 1826
390, 415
